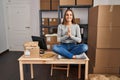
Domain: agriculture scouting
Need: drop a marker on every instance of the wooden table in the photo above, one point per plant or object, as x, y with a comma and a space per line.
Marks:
54, 60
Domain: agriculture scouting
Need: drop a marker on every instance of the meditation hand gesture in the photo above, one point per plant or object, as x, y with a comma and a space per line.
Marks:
69, 31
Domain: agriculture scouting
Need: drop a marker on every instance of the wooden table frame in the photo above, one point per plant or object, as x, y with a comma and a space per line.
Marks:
26, 60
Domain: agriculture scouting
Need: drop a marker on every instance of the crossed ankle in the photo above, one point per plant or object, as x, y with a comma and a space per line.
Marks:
80, 56
60, 57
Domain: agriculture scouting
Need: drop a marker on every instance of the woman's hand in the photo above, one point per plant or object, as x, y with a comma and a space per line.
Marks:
69, 32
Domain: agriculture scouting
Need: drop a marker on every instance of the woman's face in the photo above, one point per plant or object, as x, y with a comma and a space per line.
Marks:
69, 16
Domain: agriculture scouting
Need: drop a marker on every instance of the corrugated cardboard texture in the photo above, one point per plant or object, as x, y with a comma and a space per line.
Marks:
45, 4
84, 2
55, 4
45, 21
106, 70
53, 21
67, 2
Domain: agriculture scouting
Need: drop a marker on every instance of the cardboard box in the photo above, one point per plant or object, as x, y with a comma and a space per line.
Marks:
53, 21
67, 2
101, 23
51, 38
107, 38
107, 57
106, 70
33, 52
45, 31
31, 44
77, 20
53, 30
45, 4
31, 49
84, 2
50, 45
45, 21
104, 57
103, 40
105, 15
55, 4
115, 15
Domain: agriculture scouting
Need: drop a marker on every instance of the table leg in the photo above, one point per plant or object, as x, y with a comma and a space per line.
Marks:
79, 71
21, 71
86, 70
31, 69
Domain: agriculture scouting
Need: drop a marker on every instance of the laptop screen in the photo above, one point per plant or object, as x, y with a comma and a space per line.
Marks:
41, 42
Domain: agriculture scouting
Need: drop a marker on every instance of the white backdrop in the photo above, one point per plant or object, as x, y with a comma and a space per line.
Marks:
3, 41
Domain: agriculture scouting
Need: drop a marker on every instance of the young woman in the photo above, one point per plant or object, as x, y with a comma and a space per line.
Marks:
68, 36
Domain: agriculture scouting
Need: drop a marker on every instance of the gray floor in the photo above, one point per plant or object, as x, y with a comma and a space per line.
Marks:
9, 69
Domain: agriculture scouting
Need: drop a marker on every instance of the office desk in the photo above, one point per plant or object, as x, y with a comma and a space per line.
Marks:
53, 60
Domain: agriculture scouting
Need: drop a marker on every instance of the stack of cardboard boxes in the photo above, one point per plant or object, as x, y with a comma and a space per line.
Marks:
103, 39
53, 4
49, 22
31, 49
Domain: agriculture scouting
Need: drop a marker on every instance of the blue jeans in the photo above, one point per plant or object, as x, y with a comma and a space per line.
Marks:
69, 49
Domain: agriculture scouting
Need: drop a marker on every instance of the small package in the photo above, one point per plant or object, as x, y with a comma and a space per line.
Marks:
31, 49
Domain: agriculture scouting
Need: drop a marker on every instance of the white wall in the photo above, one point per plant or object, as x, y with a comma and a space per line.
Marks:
114, 2
3, 41
35, 6
34, 22
106, 2
100, 2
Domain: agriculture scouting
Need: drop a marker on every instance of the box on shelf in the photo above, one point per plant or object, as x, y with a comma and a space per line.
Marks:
55, 4
50, 45
84, 2
52, 30
45, 21
45, 31
67, 2
51, 38
44, 4
53, 21
77, 20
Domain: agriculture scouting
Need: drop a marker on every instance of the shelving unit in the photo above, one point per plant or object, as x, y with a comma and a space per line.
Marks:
40, 18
